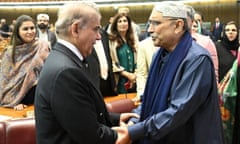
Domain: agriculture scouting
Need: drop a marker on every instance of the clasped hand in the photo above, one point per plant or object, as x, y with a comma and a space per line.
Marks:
122, 130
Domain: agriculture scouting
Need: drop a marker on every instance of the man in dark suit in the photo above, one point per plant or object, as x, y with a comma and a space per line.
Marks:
217, 29
43, 29
100, 65
69, 108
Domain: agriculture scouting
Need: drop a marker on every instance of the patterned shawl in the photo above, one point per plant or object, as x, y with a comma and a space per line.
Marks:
16, 80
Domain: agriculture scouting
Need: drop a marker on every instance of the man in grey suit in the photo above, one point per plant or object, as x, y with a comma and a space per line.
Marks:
69, 108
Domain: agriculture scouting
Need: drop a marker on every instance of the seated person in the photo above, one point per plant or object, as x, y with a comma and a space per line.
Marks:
21, 64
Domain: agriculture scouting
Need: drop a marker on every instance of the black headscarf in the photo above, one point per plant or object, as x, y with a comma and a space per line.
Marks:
230, 45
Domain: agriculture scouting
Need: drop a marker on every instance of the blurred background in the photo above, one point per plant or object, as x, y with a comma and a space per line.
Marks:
140, 10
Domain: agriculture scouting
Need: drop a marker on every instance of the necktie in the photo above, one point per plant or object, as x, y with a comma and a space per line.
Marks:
85, 63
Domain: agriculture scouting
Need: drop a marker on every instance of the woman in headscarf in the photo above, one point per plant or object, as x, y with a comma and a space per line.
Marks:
227, 50
21, 64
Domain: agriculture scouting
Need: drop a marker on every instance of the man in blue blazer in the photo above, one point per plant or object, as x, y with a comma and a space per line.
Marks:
69, 108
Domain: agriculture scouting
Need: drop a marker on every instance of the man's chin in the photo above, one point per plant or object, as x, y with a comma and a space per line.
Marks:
155, 43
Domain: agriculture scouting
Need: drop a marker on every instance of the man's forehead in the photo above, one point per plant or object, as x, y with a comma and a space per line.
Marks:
43, 18
156, 15
95, 23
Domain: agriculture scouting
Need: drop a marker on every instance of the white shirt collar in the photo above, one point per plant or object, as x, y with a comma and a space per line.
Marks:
72, 48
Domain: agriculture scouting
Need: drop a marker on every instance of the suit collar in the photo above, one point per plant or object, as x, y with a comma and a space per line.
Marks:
62, 48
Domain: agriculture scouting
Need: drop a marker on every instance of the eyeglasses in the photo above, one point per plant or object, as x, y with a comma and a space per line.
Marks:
228, 30
154, 23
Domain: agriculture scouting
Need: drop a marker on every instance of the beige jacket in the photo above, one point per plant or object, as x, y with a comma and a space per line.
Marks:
146, 50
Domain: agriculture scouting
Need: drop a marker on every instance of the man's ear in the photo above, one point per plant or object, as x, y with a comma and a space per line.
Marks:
179, 25
74, 29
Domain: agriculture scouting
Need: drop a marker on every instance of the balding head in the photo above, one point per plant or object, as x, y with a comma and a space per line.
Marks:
123, 10
83, 12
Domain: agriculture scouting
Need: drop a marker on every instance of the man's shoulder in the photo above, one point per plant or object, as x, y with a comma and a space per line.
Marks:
197, 49
203, 40
147, 40
51, 32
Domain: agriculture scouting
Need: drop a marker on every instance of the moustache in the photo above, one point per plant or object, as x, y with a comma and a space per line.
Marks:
154, 36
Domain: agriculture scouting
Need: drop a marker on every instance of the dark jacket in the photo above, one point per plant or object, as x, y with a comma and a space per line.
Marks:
51, 37
108, 86
69, 109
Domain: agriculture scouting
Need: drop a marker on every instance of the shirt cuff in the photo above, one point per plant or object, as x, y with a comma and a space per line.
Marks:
136, 131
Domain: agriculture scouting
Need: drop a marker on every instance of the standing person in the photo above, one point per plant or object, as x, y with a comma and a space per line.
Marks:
69, 108
199, 17
195, 26
217, 29
228, 51
43, 29
100, 66
146, 50
180, 101
136, 28
21, 64
104, 61
5, 31
123, 47
205, 41
108, 25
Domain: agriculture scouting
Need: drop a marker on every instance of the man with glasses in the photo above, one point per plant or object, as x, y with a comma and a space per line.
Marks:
180, 101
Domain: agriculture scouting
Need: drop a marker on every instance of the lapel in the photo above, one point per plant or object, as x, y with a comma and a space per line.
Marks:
61, 48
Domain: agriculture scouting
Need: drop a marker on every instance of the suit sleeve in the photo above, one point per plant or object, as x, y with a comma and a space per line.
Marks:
186, 98
76, 111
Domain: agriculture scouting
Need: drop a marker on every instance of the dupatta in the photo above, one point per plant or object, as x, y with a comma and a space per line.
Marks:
16, 80
227, 90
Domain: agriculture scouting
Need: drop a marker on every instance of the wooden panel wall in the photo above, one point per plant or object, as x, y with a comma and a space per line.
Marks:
227, 11
139, 14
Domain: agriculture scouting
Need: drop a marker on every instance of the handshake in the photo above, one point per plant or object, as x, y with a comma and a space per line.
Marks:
122, 130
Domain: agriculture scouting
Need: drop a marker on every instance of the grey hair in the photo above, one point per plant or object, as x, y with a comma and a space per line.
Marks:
186, 27
190, 11
72, 12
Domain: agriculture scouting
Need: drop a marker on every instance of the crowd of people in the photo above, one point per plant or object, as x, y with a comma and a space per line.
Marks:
185, 77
